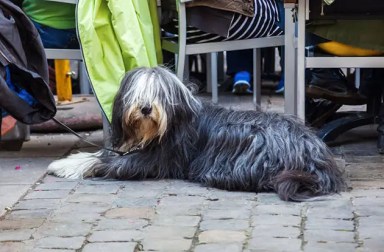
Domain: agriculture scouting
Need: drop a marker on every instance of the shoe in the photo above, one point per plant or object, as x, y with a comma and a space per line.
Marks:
331, 84
241, 83
280, 87
318, 111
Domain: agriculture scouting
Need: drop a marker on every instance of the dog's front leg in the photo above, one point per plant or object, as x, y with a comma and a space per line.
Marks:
133, 166
103, 164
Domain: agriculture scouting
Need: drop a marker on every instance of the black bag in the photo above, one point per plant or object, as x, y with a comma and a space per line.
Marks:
24, 92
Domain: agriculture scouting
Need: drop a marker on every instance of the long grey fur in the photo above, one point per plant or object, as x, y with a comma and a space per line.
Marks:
218, 147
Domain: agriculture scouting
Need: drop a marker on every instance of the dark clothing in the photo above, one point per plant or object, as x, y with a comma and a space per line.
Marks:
24, 92
244, 7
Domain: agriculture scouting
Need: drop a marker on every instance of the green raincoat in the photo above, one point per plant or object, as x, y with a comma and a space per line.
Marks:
116, 36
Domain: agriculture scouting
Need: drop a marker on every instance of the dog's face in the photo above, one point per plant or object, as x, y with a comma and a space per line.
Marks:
149, 101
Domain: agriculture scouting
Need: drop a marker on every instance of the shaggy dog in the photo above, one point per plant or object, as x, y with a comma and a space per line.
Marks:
175, 135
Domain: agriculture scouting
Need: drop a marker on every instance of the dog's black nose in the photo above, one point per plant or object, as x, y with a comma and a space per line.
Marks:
146, 110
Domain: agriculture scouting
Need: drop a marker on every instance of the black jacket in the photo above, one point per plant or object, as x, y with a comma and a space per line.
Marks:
23, 62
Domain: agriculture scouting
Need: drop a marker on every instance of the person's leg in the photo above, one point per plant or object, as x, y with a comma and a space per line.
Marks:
57, 38
238, 61
239, 66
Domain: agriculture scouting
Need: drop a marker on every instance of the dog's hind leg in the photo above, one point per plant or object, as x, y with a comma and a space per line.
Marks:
75, 166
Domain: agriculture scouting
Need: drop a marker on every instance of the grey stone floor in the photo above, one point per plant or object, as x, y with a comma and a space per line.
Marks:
45, 213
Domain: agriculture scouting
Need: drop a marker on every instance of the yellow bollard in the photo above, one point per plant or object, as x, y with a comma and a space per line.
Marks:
63, 80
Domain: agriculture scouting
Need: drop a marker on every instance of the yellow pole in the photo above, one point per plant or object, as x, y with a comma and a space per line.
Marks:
63, 80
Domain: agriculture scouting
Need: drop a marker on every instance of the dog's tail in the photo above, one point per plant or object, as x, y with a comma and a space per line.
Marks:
76, 166
296, 185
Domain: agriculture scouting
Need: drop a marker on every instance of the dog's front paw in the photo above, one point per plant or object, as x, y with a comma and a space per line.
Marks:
75, 166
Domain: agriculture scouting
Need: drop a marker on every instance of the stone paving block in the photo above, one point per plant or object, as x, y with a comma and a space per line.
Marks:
29, 169
61, 242
181, 200
357, 193
171, 245
375, 244
69, 217
276, 244
56, 194
9, 195
84, 212
329, 236
111, 246
367, 184
6, 224
230, 224
374, 210
120, 224
329, 246
37, 204
100, 181
169, 232
278, 220
63, 229
240, 214
238, 195
369, 201
371, 232
275, 231
87, 197
128, 213
12, 246
221, 236
330, 213
186, 188
98, 189
364, 159
371, 221
223, 203
370, 171
29, 214
132, 186
116, 236
215, 247
135, 202
15, 235
139, 193
270, 199
60, 185
178, 221
53, 179
329, 224
183, 210
284, 210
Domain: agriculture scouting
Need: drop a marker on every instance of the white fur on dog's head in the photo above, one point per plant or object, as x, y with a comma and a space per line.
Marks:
148, 101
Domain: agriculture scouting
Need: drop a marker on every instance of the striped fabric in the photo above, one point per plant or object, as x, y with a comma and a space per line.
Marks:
262, 24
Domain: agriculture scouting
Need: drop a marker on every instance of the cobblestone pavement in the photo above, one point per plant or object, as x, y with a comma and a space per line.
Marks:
54, 214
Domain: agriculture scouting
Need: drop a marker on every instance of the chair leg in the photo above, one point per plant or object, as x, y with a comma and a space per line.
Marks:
257, 77
212, 76
180, 65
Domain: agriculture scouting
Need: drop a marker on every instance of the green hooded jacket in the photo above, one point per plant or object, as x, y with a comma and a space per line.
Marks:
115, 37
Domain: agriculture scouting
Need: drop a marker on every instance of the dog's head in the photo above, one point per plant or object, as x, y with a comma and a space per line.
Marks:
148, 103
